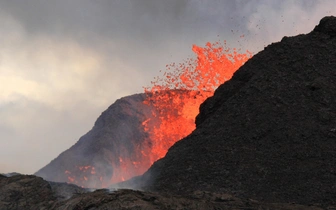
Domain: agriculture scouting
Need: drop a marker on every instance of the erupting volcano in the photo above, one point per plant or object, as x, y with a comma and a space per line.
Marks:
264, 140
137, 130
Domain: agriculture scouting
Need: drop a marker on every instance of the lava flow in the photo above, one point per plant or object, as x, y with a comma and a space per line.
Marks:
174, 100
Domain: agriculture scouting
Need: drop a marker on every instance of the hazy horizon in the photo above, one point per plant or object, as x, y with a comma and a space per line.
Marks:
62, 63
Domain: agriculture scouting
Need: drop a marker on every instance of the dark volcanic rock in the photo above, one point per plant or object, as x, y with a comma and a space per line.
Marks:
24, 192
64, 191
269, 133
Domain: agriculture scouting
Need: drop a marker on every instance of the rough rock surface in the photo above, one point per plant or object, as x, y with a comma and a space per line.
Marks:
269, 133
22, 192
25, 192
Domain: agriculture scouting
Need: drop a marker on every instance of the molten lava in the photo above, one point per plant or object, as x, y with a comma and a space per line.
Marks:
174, 100
178, 95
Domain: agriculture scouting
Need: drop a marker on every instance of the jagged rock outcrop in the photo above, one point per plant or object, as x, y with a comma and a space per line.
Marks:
25, 192
269, 133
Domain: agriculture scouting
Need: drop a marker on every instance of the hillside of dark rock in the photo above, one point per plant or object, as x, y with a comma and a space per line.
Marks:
269, 133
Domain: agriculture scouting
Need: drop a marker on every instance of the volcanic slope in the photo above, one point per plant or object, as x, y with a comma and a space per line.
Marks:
269, 133
119, 147
96, 158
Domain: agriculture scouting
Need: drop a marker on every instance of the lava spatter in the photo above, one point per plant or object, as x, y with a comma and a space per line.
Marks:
174, 100
177, 95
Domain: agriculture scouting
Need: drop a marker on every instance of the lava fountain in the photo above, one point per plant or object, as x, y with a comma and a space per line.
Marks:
177, 95
173, 100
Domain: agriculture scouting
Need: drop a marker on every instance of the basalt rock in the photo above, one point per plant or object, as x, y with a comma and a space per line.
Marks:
25, 192
22, 192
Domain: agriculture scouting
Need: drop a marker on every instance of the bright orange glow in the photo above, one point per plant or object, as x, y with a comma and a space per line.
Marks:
174, 100
178, 95
87, 173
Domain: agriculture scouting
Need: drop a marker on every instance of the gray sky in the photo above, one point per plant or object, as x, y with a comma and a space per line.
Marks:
64, 62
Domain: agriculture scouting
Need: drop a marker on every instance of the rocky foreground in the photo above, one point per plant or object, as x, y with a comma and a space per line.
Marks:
265, 140
30, 192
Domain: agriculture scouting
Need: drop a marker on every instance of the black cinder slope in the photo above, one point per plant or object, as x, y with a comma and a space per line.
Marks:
269, 133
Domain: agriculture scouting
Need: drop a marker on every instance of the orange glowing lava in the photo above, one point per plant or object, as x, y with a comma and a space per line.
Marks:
175, 99
178, 95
